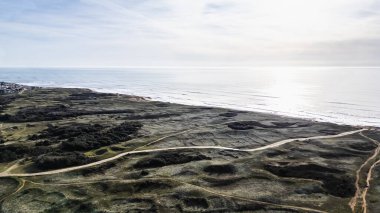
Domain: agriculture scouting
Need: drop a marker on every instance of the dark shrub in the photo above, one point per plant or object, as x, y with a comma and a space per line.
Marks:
343, 186
5, 100
242, 125
7, 156
56, 112
5, 117
245, 125
88, 141
61, 160
196, 202
40, 150
165, 159
220, 169
73, 130
153, 116
44, 143
335, 182
228, 114
12, 152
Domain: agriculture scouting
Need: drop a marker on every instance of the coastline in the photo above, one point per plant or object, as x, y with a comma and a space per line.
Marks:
202, 104
354, 102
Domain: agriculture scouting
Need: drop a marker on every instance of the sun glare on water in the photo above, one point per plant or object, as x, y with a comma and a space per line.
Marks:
288, 95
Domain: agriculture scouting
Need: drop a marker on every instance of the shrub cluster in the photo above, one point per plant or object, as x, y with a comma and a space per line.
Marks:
165, 159
335, 182
57, 160
65, 132
153, 116
229, 114
88, 96
56, 112
246, 125
11, 153
7, 156
5, 100
220, 169
93, 140
343, 186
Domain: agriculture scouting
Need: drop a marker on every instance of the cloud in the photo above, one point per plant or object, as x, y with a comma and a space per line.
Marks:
188, 33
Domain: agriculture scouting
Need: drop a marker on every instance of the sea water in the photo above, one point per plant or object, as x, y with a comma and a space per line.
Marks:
343, 95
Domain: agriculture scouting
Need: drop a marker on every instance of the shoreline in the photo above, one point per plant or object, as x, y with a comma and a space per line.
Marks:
265, 112
352, 101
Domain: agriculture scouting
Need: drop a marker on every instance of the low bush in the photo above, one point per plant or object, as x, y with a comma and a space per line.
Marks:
57, 160
65, 132
56, 112
165, 159
91, 140
11, 153
220, 169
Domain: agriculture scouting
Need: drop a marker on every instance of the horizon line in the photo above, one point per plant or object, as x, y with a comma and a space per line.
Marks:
180, 67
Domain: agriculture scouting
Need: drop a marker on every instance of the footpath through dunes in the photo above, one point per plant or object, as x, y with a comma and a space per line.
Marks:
373, 193
363, 178
74, 168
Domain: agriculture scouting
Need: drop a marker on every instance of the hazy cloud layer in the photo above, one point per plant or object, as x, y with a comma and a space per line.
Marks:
189, 33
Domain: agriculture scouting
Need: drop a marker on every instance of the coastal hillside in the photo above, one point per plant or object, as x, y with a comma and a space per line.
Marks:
76, 150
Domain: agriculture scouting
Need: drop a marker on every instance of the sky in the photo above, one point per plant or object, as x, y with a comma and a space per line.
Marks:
189, 33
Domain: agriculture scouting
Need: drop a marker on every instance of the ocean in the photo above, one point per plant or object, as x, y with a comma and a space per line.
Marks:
332, 94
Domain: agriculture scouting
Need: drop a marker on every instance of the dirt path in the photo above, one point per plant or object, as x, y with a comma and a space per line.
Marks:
280, 143
368, 181
361, 194
22, 91
297, 208
74, 168
162, 138
13, 166
21, 186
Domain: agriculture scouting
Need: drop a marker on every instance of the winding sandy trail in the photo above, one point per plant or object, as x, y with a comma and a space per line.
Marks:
21, 186
13, 166
298, 208
22, 91
368, 181
74, 168
276, 144
369, 175
359, 192
280, 143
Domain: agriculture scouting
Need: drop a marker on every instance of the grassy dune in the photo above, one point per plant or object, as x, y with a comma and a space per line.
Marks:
45, 129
